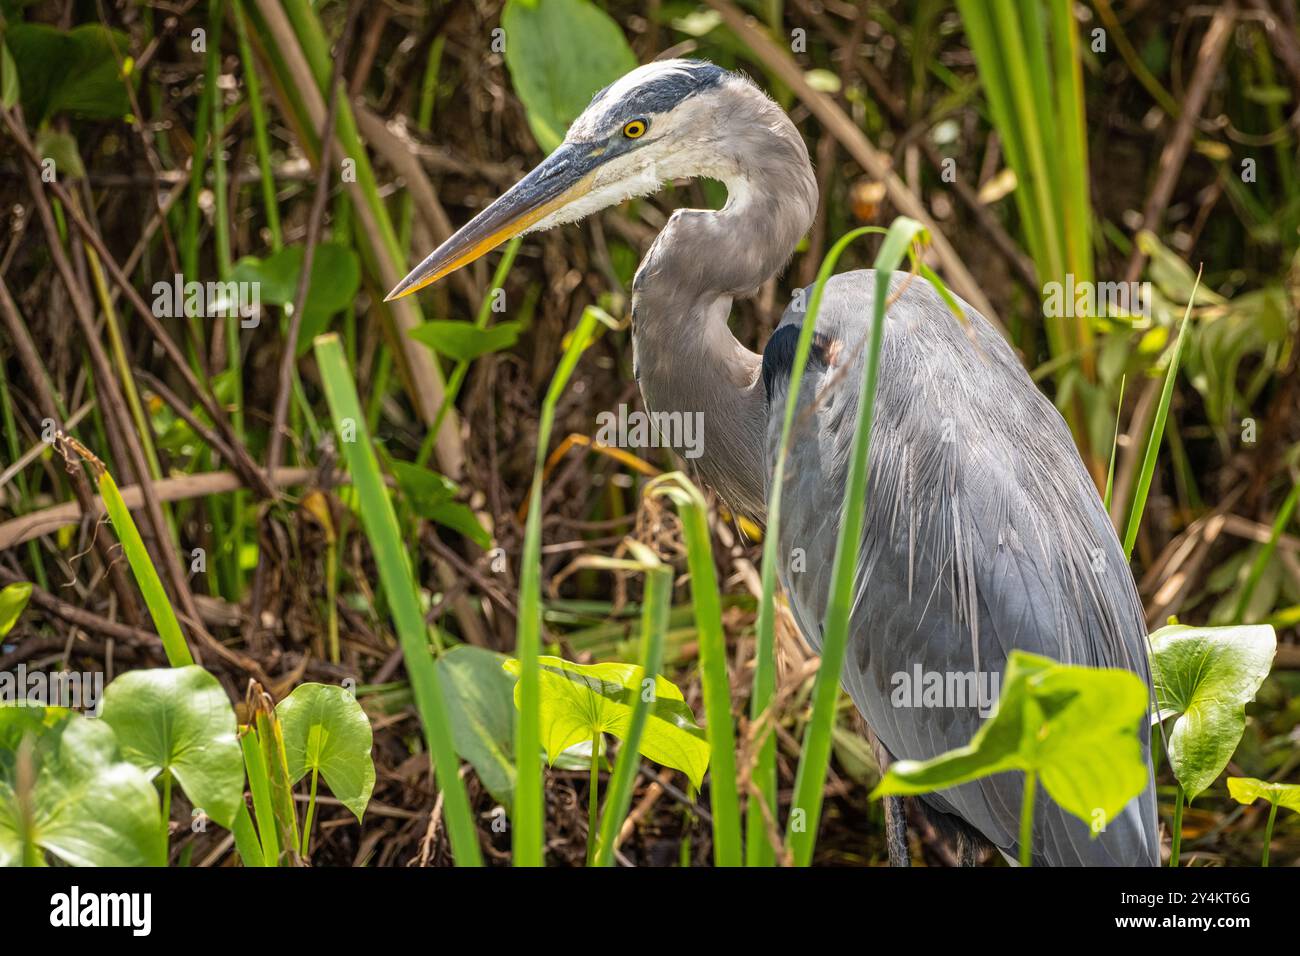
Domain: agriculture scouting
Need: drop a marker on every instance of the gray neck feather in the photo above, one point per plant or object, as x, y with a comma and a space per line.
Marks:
687, 360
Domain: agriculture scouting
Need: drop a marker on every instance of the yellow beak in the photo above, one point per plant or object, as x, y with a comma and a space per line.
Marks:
563, 177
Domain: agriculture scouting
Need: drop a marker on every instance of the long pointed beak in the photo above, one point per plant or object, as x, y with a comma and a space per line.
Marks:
563, 177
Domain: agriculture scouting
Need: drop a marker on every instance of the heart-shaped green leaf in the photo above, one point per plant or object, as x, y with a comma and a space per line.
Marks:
480, 702
180, 719
61, 149
581, 700
69, 793
560, 53
1249, 789
335, 278
1075, 727
431, 496
12, 601
1207, 675
326, 730
578, 757
8, 78
460, 518
424, 488
76, 71
464, 341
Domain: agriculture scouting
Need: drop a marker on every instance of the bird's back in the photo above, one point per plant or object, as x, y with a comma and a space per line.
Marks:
984, 534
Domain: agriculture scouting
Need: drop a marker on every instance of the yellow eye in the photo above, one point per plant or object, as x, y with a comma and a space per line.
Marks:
634, 129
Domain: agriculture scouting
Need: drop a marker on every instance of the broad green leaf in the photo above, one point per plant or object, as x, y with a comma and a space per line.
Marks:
12, 601
423, 487
61, 148
73, 72
853, 754
1174, 277
1075, 727
464, 341
1207, 675
578, 757
1251, 330
23, 717
335, 278
480, 702
431, 496
560, 53
1249, 789
325, 729
461, 518
180, 719
84, 805
8, 78
580, 700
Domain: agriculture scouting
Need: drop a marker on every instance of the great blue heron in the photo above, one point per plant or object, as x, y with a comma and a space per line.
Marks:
984, 532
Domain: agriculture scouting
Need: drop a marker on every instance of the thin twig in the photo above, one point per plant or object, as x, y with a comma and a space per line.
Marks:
243, 462
1170, 167
16, 531
31, 362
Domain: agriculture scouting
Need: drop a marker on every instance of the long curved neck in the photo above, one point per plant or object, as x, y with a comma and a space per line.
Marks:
688, 363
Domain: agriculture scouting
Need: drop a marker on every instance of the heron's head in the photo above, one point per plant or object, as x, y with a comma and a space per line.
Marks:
660, 122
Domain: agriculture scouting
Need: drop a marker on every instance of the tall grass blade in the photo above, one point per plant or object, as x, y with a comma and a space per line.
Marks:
1157, 431
762, 802
724, 797
1114, 446
1029, 66
395, 574
257, 112
259, 786
527, 838
247, 844
146, 575
801, 832
654, 624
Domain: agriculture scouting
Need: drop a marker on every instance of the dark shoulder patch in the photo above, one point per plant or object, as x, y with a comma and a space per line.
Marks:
779, 355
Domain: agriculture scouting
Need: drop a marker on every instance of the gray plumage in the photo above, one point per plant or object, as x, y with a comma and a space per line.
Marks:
984, 532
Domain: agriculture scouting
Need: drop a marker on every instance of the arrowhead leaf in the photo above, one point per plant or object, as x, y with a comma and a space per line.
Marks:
560, 53
180, 719
85, 805
326, 730
1207, 675
335, 278
74, 71
480, 704
1249, 789
1075, 727
580, 700
432, 496
12, 601
465, 341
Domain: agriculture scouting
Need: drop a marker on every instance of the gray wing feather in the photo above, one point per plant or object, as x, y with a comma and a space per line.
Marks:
984, 533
